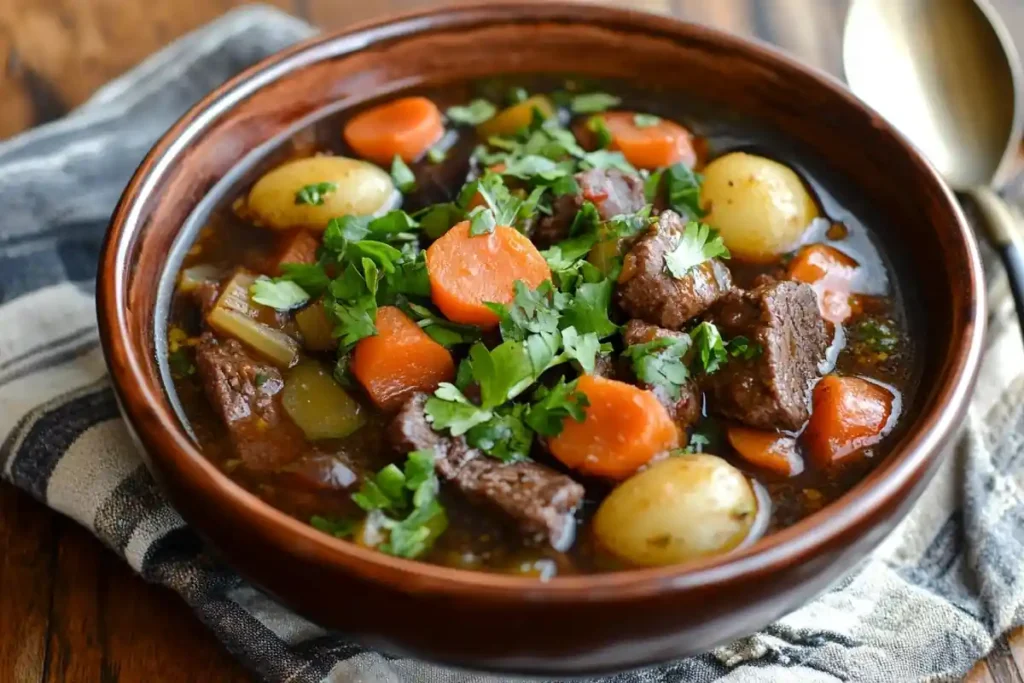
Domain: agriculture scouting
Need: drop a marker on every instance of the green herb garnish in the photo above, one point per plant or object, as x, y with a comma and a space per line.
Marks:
592, 103
314, 194
472, 114
698, 243
281, 295
645, 120
402, 175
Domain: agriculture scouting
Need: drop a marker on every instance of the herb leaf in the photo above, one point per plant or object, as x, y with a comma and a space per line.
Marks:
314, 194
698, 243
587, 310
281, 295
413, 492
339, 527
592, 103
645, 120
710, 351
476, 112
481, 221
741, 347
582, 348
449, 409
683, 186
505, 436
602, 136
660, 363
309, 276
554, 405
402, 175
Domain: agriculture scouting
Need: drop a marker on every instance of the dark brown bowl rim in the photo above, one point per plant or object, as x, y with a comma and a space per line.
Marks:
909, 460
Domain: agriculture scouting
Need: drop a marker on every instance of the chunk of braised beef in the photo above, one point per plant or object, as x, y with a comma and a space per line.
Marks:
610, 190
539, 501
648, 291
771, 390
244, 393
684, 410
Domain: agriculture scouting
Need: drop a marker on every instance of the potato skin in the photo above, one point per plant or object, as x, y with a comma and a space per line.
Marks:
760, 207
680, 509
363, 189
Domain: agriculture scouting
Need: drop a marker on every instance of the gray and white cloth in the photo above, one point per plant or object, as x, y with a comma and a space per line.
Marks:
925, 606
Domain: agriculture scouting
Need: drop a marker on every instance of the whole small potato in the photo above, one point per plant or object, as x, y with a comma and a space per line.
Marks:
360, 188
760, 206
680, 509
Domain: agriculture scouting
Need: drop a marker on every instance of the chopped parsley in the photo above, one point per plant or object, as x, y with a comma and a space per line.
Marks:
710, 353
441, 330
281, 295
403, 503
661, 363
592, 103
682, 187
645, 120
698, 243
877, 335
481, 221
741, 347
339, 527
553, 405
314, 194
436, 155
602, 136
472, 114
402, 175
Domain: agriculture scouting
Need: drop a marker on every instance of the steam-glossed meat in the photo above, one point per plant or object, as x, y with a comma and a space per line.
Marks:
540, 501
610, 190
684, 410
648, 291
244, 391
771, 391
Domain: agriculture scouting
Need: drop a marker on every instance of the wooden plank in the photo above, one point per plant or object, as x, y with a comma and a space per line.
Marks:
27, 545
980, 674
108, 625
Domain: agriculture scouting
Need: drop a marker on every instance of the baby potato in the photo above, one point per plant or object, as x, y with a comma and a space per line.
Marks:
360, 188
760, 206
681, 508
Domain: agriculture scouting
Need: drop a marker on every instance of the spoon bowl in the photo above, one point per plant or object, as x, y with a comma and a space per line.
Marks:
946, 74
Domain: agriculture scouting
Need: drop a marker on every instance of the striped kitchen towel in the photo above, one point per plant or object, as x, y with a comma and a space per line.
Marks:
927, 604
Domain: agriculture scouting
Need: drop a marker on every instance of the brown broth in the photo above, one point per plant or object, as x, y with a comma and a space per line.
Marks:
316, 486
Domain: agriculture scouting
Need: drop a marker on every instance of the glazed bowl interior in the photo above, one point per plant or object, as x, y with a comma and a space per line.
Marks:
237, 126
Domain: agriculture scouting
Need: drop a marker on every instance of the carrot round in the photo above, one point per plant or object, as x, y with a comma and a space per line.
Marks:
768, 450
847, 414
624, 428
662, 144
400, 360
407, 127
468, 270
831, 273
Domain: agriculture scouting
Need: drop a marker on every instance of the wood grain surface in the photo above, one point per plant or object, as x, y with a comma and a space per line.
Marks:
71, 611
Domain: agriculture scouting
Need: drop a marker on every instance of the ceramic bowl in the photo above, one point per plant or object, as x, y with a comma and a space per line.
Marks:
574, 624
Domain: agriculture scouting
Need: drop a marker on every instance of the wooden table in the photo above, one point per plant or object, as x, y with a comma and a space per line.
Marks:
70, 610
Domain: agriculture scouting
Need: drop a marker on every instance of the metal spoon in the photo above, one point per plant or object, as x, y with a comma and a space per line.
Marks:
947, 75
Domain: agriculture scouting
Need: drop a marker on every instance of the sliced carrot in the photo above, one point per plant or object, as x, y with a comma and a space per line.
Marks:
662, 144
831, 273
847, 414
468, 270
298, 247
768, 450
407, 127
624, 428
400, 360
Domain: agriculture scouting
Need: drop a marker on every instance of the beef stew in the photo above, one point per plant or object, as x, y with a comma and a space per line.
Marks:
561, 333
